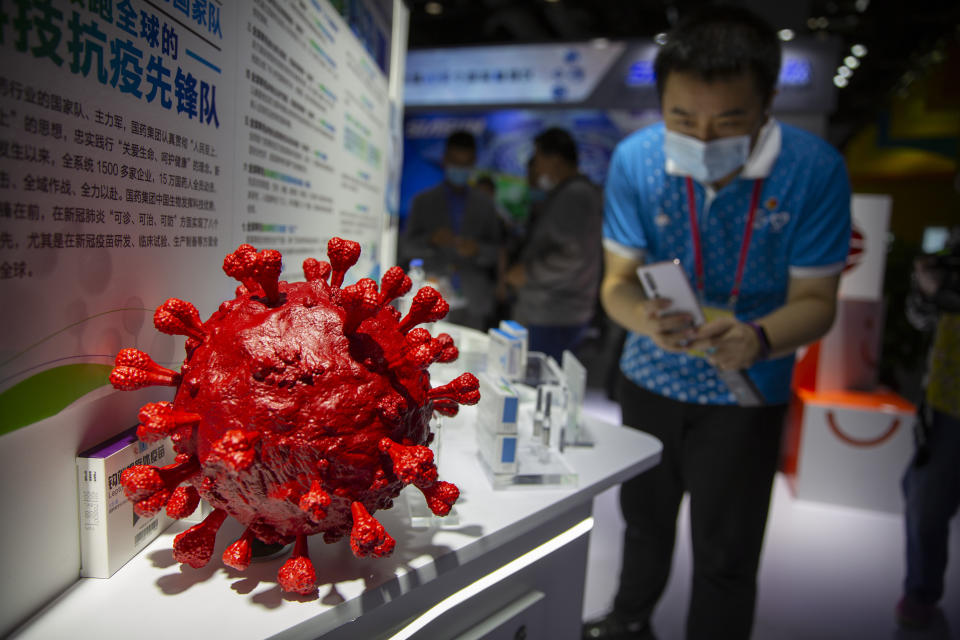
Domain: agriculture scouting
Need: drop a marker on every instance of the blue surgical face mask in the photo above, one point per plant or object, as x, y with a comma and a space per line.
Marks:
706, 162
546, 183
457, 176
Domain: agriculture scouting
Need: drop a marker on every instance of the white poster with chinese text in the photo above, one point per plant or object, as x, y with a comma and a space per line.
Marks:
140, 142
312, 134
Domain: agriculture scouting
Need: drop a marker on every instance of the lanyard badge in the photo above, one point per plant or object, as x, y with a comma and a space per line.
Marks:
744, 245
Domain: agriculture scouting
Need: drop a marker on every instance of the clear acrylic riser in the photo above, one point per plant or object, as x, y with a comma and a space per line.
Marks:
416, 505
535, 468
420, 515
537, 464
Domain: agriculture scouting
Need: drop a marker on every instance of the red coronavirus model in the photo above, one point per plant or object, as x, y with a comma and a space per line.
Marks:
301, 408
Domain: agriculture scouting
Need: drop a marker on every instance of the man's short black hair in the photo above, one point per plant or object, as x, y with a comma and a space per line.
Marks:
557, 142
720, 41
462, 139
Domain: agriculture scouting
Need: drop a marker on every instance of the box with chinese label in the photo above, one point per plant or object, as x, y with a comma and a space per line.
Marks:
110, 532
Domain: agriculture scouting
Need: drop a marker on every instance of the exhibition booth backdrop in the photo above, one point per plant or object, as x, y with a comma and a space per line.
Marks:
600, 91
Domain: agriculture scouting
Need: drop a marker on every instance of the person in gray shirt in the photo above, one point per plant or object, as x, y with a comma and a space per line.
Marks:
455, 230
557, 274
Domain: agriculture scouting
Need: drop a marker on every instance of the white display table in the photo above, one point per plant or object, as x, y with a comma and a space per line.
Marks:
153, 597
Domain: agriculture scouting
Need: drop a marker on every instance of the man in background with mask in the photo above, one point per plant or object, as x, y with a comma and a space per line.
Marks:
557, 273
454, 229
758, 215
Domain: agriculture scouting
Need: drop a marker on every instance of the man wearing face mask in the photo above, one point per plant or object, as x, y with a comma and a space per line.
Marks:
557, 273
454, 229
758, 215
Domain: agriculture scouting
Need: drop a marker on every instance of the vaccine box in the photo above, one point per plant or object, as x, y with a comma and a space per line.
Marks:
110, 532
520, 332
499, 405
496, 429
498, 450
505, 353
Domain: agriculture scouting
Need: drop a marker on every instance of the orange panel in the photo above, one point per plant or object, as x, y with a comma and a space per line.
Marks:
864, 401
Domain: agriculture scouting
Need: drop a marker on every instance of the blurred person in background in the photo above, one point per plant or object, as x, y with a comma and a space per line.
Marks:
535, 194
556, 275
455, 230
931, 483
758, 215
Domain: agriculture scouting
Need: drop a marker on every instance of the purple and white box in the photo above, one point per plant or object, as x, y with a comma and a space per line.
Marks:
110, 532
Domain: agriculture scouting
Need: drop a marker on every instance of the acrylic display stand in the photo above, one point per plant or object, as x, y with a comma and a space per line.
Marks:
576, 433
420, 515
538, 464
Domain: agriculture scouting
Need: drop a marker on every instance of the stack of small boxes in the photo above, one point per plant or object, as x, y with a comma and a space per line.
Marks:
497, 423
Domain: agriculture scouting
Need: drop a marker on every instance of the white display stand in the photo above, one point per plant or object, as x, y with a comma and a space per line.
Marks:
863, 277
487, 554
847, 356
847, 440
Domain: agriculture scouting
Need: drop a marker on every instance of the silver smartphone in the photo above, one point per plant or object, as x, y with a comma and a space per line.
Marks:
668, 280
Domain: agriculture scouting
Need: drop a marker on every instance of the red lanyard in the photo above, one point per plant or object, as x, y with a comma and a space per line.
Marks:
744, 246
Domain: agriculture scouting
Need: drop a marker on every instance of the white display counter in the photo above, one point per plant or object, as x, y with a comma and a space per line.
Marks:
483, 561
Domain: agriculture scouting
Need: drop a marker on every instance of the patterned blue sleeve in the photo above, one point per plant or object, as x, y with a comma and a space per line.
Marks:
621, 217
822, 237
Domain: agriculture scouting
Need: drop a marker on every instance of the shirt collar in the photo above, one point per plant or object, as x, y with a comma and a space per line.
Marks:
761, 159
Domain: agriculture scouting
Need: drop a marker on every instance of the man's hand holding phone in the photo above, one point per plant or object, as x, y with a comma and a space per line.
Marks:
671, 331
671, 311
677, 323
728, 343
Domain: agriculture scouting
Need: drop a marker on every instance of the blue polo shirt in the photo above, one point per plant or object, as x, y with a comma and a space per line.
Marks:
801, 229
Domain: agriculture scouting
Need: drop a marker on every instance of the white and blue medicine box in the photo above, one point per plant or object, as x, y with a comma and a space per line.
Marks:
498, 450
499, 404
520, 332
505, 353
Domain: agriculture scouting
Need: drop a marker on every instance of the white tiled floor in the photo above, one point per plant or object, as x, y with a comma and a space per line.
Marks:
827, 572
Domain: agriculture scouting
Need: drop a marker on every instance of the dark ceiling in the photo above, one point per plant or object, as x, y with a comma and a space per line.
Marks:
901, 37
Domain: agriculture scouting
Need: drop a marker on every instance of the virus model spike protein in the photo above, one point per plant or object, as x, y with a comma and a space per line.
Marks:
301, 408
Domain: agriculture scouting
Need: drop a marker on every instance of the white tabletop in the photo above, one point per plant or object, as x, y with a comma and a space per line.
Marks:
152, 596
